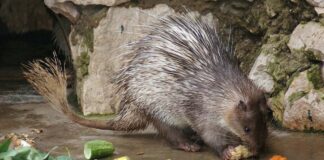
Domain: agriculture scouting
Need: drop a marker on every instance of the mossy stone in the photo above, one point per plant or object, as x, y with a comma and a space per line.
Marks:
82, 64
314, 76
295, 96
277, 106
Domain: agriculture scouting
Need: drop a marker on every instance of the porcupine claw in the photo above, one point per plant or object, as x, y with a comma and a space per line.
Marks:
227, 153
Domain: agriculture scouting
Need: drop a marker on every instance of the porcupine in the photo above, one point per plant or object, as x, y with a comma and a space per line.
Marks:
179, 77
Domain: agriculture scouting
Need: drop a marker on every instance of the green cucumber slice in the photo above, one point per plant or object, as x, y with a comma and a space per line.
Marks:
96, 149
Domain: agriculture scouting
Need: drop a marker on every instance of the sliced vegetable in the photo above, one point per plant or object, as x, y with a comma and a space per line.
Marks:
98, 149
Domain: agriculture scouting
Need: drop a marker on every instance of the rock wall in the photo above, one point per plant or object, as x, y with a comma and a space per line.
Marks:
290, 69
278, 42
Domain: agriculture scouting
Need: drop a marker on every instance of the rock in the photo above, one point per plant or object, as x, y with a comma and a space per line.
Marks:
67, 9
98, 2
273, 7
299, 87
316, 3
306, 113
322, 70
259, 74
309, 36
303, 104
270, 51
319, 10
91, 2
95, 96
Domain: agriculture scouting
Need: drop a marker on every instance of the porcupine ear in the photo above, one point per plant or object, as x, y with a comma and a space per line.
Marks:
242, 106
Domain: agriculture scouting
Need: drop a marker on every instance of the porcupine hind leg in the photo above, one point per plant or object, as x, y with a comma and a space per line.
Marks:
129, 118
176, 137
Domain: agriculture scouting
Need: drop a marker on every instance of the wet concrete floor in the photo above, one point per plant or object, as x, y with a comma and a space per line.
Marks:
146, 145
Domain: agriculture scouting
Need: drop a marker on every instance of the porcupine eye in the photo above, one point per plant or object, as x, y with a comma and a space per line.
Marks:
246, 129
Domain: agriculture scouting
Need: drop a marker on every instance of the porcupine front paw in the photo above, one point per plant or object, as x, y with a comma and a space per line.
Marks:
227, 153
179, 141
189, 147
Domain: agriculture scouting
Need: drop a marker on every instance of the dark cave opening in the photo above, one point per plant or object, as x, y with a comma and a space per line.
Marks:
17, 49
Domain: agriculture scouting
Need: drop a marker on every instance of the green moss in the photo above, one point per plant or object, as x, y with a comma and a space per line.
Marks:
297, 95
285, 65
89, 19
82, 64
314, 76
277, 106
315, 55
273, 7
247, 52
86, 34
321, 20
88, 38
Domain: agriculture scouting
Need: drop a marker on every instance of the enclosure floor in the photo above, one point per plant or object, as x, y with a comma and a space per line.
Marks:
59, 131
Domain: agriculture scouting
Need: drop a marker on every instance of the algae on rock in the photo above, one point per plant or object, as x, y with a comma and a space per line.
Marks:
297, 95
82, 63
285, 63
82, 41
314, 76
278, 108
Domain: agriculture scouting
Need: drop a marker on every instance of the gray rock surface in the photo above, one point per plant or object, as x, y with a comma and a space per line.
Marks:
304, 106
301, 85
309, 36
97, 2
306, 113
67, 9
316, 3
319, 10
259, 74
90, 2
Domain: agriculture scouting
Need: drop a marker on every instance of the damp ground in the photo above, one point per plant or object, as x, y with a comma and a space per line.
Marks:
146, 145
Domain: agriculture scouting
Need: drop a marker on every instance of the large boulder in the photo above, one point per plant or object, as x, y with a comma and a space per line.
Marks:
259, 74
96, 51
262, 73
69, 8
309, 36
316, 3
285, 69
299, 102
304, 105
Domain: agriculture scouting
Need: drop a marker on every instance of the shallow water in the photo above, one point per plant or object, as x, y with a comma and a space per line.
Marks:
18, 92
146, 145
